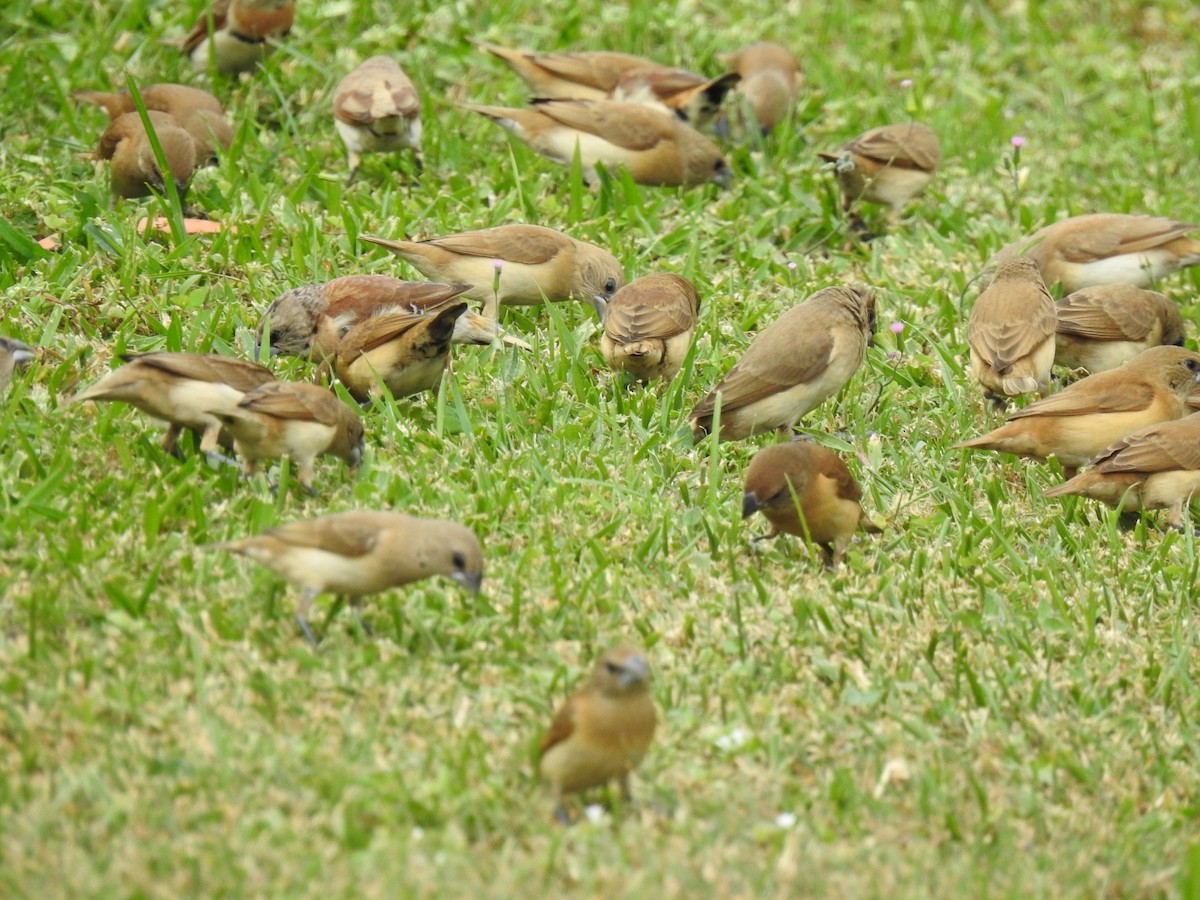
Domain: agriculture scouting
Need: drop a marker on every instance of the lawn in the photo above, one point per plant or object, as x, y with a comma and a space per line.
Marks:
996, 696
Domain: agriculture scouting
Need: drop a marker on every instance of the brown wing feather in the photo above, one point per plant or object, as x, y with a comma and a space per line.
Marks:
1112, 396
561, 728
294, 400
344, 535
1117, 234
1168, 447
525, 244
237, 373
1106, 318
625, 125
911, 146
600, 70
220, 11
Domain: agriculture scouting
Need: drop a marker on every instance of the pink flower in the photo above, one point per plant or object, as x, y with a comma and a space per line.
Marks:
1018, 141
906, 83
497, 264
897, 327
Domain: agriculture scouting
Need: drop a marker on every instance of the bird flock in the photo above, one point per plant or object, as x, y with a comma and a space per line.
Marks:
1125, 423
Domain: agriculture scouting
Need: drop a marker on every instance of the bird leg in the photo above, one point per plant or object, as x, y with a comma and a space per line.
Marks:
303, 606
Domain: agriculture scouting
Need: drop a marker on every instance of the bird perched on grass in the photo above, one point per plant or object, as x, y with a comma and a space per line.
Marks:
653, 146
402, 351
648, 326
1108, 248
237, 35
1153, 468
133, 168
889, 165
795, 363
1082, 419
300, 421
1011, 332
603, 730
770, 81
513, 265
309, 321
197, 112
180, 389
376, 110
353, 554
1102, 327
806, 490
14, 354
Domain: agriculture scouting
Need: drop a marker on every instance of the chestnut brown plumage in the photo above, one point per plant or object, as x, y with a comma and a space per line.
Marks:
237, 35
648, 326
133, 168
1011, 332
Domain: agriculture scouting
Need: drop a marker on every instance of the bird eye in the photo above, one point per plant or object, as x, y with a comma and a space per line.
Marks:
610, 286
1191, 364
719, 166
613, 668
460, 561
275, 336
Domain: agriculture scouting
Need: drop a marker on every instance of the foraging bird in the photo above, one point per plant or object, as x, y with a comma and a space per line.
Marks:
310, 321
353, 554
376, 110
180, 389
1153, 468
653, 146
805, 356
770, 81
1102, 327
604, 75
648, 326
405, 352
1082, 419
134, 169
806, 490
239, 35
300, 421
1011, 332
198, 113
513, 264
14, 354
1108, 248
889, 165
603, 730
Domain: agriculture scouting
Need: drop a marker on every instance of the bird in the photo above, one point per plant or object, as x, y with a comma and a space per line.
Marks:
309, 321
237, 35
198, 112
794, 364
648, 326
806, 490
605, 75
376, 110
14, 354
603, 730
405, 352
1157, 467
770, 81
134, 170
1085, 417
180, 389
889, 165
1102, 327
293, 419
654, 147
514, 265
353, 554
1011, 332
1108, 248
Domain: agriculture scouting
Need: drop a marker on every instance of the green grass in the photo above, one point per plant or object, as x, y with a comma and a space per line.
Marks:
997, 696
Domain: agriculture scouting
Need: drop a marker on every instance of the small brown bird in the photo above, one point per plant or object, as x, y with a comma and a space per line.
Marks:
1109, 248
770, 81
602, 731
14, 354
134, 170
531, 264
1154, 468
376, 110
805, 356
1082, 419
889, 165
198, 112
353, 554
806, 490
604, 75
301, 421
405, 352
239, 35
180, 389
1011, 332
648, 326
310, 321
653, 146
1102, 327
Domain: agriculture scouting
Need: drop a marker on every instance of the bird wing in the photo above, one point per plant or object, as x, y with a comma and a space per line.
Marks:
376, 90
599, 70
1167, 447
1015, 336
344, 535
363, 293
1111, 397
1120, 235
561, 728
376, 330
616, 123
664, 81
657, 315
909, 146
293, 400
1104, 318
529, 247
220, 11
240, 374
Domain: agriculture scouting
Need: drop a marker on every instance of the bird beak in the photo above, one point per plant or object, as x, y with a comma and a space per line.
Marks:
600, 304
634, 670
470, 580
750, 504
1198, 378
724, 177
22, 355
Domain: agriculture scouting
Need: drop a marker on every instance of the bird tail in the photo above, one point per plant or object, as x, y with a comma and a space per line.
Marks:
107, 100
642, 349
1013, 385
